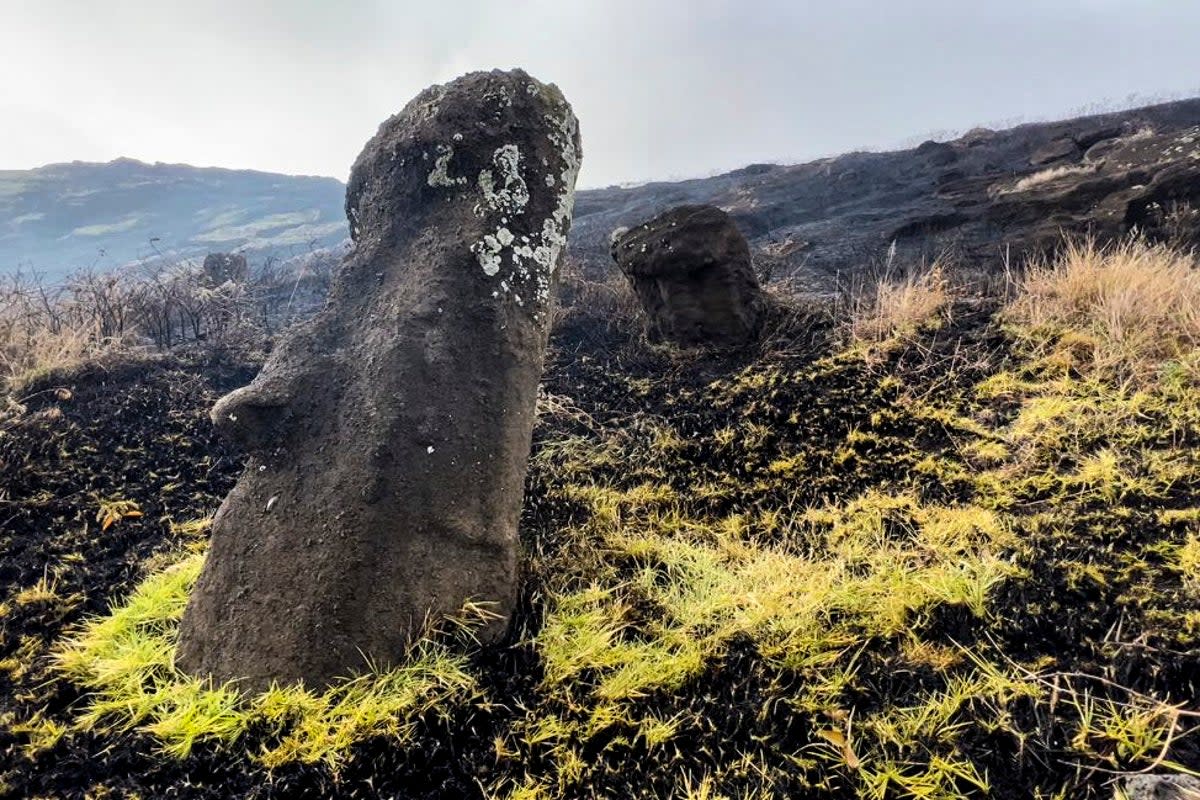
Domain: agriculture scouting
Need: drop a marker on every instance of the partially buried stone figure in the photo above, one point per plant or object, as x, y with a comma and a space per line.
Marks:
690, 268
389, 435
222, 267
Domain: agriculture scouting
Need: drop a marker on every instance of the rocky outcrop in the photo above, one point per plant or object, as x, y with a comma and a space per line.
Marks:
979, 199
690, 269
1143, 181
389, 434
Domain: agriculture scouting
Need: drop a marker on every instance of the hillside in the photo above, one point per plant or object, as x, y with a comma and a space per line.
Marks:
982, 197
927, 537
979, 198
61, 217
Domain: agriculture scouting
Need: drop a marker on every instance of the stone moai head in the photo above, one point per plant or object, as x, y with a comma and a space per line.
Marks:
690, 268
389, 435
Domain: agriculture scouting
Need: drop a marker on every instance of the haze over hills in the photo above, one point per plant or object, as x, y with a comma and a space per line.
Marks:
981, 197
61, 217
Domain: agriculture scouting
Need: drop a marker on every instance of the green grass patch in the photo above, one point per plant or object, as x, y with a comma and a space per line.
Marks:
126, 660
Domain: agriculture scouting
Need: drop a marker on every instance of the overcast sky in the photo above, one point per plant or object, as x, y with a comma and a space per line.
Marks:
663, 88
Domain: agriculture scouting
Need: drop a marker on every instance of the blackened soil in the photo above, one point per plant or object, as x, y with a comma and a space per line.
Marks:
140, 432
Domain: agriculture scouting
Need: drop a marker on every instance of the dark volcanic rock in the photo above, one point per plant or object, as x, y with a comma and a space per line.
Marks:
937, 153
1056, 150
958, 198
691, 270
1141, 180
389, 435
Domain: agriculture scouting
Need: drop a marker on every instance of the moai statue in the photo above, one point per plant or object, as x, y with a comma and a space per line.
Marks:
690, 268
389, 435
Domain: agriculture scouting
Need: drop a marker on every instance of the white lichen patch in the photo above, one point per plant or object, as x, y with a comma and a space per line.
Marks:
488, 253
534, 257
511, 194
440, 176
501, 97
564, 132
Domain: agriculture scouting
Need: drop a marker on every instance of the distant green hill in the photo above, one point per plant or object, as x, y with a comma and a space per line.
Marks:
60, 217
987, 197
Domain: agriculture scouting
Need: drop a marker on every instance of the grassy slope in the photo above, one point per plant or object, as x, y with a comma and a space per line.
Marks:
961, 557
64, 217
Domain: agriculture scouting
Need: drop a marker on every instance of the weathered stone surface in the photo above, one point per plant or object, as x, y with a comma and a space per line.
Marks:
1161, 787
1140, 182
220, 268
690, 268
389, 435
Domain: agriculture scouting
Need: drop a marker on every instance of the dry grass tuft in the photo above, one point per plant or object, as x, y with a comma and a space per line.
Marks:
1046, 176
30, 348
899, 309
1126, 308
581, 297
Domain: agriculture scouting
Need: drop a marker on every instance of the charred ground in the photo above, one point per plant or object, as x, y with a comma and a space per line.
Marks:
672, 497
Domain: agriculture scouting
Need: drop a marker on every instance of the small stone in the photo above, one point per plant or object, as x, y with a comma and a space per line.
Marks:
221, 268
1159, 787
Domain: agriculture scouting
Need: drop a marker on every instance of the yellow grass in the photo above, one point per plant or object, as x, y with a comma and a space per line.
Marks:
899, 309
126, 659
30, 349
647, 588
1126, 308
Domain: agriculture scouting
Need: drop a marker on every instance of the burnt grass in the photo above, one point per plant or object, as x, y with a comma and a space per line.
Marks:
139, 431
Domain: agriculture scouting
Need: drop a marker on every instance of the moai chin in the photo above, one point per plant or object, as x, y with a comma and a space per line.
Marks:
389, 435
